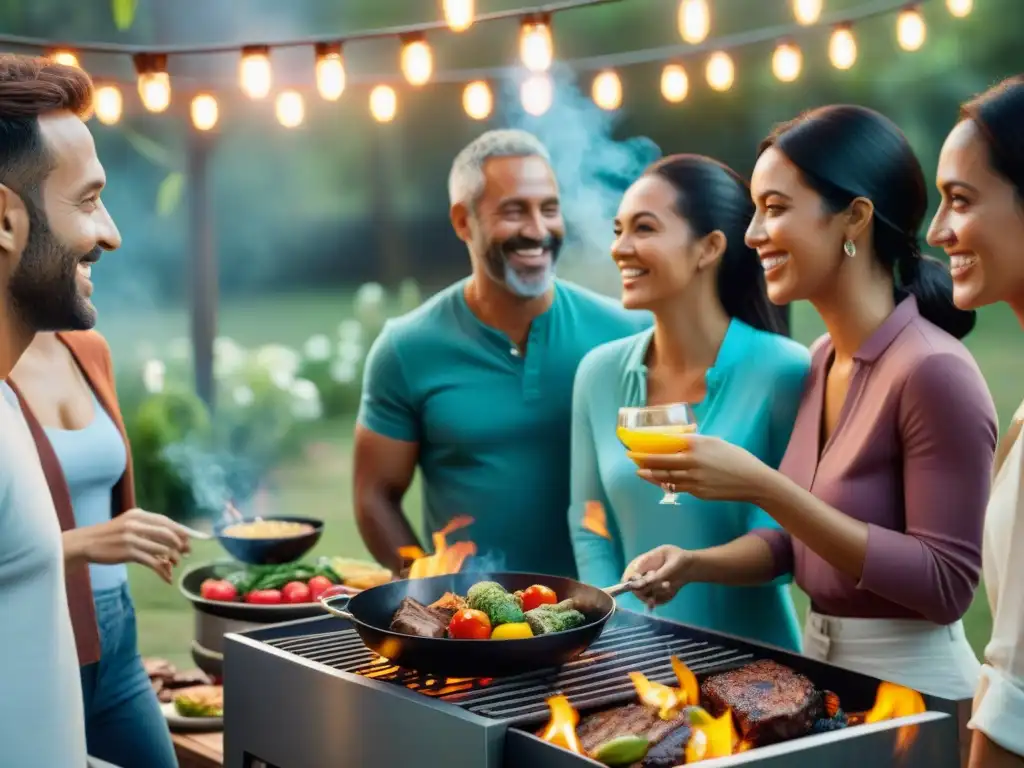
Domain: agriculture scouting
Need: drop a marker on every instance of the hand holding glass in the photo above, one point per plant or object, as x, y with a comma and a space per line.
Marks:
657, 429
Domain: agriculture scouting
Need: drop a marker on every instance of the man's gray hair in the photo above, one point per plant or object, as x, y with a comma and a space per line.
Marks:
466, 180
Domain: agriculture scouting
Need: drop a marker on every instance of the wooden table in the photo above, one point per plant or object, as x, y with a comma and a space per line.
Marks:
199, 750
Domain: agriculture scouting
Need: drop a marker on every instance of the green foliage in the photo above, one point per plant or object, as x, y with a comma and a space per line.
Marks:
124, 13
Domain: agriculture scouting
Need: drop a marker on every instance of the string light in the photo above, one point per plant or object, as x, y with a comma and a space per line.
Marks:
607, 90
417, 60
383, 103
720, 71
254, 71
910, 29
694, 20
458, 14
787, 61
67, 58
807, 12
842, 48
477, 100
205, 112
674, 83
536, 94
108, 104
330, 71
960, 8
154, 82
535, 47
290, 109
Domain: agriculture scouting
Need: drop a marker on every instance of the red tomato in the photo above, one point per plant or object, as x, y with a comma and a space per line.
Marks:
468, 624
218, 589
538, 594
295, 592
317, 586
264, 597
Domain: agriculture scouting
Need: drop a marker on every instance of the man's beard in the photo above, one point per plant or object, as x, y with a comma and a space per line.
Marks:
44, 285
524, 283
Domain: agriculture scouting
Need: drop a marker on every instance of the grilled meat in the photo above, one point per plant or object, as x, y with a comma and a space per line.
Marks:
769, 702
630, 720
670, 751
448, 605
413, 618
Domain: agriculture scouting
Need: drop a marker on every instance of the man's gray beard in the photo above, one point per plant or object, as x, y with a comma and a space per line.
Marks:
533, 288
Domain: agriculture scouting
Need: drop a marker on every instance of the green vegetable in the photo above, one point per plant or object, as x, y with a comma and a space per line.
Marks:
545, 619
491, 598
186, 707
323, 568
622, 750
282, 575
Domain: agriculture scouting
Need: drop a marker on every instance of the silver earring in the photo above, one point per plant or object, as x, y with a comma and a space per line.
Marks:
850, 248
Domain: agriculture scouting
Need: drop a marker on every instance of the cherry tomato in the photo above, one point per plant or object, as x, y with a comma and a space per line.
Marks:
295, 592
264, 597
468, 624
218, 589
317, 586
538, 594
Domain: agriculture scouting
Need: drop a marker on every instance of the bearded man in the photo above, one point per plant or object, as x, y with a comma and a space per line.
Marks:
475, 386
53, 227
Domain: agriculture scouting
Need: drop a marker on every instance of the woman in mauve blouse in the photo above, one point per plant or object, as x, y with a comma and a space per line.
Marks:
881, 493
980, 224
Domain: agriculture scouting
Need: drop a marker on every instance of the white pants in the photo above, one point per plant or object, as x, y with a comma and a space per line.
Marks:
927, 657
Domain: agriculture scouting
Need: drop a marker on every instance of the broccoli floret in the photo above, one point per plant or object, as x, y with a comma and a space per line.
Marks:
545, 619
491, 598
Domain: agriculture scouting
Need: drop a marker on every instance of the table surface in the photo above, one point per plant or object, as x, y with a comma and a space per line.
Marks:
199, 750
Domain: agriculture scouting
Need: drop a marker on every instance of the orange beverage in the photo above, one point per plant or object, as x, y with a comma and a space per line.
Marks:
670, 438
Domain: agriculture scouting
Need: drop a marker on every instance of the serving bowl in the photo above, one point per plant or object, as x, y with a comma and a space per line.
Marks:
270, 551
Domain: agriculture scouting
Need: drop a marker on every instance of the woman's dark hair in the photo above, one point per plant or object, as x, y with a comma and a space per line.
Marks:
845, 152
711, 196
999, 115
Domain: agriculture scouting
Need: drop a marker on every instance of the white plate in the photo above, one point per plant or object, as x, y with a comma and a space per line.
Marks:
178, 723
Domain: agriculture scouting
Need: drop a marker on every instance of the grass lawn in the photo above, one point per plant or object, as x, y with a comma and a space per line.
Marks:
320, 483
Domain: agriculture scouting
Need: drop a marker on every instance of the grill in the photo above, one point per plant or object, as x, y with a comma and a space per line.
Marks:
309, 694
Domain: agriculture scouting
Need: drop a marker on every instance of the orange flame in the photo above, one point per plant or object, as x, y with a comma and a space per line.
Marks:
715, 738
667, 700
446, 559
893, 701
561, 728
595, 520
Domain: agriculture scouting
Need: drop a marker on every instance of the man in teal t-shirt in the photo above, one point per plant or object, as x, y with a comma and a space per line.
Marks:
475, 386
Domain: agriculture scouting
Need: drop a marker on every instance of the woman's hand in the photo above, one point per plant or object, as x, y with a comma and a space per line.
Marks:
662, 572
135, 536
710, 468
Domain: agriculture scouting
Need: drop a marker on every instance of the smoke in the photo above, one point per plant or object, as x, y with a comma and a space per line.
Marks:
492, 561
592, 166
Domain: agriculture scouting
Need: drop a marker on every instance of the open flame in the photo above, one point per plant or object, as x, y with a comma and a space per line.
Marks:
561, 729
446, 559
667, 700
894, 701
595, 519
715, 738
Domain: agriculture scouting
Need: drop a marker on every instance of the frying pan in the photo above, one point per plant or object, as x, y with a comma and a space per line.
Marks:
371, 611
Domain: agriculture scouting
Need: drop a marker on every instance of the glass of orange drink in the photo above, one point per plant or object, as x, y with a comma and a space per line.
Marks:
657, 429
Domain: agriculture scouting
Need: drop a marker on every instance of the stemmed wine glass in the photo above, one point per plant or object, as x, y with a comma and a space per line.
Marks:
657, 429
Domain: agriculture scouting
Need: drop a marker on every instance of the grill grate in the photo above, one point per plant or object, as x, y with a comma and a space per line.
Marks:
595, 679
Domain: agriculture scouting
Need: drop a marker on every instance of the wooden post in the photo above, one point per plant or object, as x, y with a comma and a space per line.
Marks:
203, 291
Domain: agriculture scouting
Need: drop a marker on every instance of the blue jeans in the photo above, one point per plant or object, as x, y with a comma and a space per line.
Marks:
123, 721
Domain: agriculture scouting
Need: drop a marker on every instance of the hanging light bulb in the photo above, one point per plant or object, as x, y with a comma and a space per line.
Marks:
536, 94
383, 103
787, 61
910, 29
842, 48
290, 109
477, 100
254, 72
674, 83
720, 71
417, 60
154, 82
960, 8
458, 14
694, 20
205, 112
535, 47
67, 58
807, 12
607, 90
330, 71
108, 104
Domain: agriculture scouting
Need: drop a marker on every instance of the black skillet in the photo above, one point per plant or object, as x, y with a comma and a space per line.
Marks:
371, 610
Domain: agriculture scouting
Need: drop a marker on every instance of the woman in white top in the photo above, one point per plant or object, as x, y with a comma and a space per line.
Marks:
980, 224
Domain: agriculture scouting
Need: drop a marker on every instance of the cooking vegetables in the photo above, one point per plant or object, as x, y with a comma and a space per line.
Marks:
469, 624
491, 598
296, 592
518, 631
218, 589
546, 619
538, 595
300, 582
264, 597
622, 750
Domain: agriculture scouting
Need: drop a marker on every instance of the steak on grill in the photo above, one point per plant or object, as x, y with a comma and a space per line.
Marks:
630, 720
769, 702
413, 618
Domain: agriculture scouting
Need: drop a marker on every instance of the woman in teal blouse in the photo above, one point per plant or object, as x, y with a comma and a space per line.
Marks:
717, 343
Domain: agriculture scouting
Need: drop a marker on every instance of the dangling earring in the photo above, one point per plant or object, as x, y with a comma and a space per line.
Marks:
850, 248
